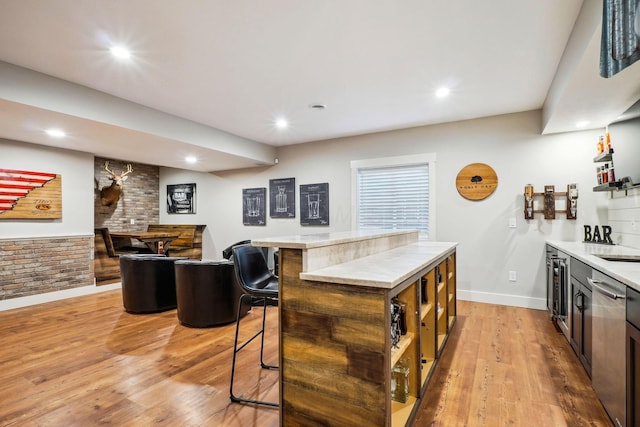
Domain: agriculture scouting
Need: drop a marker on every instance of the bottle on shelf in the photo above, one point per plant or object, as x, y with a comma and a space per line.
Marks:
599, 174
400, 381
608, 142
600, 145
605, 173
612, 174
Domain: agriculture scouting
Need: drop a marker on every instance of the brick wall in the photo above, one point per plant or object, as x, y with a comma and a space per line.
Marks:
139, 199
36, 266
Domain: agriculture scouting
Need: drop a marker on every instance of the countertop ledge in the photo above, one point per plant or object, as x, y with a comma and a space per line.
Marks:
386, 269
625, 272
310, 241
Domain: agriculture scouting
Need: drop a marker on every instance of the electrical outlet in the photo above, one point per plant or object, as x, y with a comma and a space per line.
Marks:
512, 276
512, 223
133, 221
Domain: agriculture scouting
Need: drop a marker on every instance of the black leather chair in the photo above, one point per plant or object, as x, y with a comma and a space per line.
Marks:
148, 283
227, 253
208, 293
257, 282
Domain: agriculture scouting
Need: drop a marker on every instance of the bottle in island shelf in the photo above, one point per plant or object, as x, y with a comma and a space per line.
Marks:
608, 142
605, 173
400, 381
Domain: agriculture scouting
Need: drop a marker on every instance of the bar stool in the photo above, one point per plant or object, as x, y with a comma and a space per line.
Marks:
258, 284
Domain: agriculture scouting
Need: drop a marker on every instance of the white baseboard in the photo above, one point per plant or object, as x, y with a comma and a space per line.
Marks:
9, 304
502, 299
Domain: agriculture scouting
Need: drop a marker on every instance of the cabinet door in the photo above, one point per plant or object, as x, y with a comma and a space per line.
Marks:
587, 314
576, 316
633, 376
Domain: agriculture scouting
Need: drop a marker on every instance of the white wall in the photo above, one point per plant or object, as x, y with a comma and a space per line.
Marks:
76, 170
488, 249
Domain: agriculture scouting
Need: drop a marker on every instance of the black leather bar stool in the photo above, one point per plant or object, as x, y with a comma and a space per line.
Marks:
257, 283
207, 292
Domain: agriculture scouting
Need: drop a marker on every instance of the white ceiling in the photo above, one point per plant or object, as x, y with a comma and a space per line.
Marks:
210, 77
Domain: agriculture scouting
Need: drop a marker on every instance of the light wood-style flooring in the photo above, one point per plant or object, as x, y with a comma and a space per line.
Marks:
84, 362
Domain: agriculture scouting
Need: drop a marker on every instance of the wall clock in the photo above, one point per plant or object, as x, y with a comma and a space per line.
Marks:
476, 181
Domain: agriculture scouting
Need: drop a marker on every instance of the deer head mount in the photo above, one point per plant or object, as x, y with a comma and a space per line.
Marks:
109, 195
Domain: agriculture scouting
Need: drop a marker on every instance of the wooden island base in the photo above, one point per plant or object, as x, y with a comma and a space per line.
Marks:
336, 355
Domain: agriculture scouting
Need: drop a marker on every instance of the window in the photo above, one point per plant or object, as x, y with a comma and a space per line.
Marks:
395, 193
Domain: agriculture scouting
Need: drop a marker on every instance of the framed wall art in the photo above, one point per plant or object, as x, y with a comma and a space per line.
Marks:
181, 199
254, 206
314, 204
30, 195
282, 198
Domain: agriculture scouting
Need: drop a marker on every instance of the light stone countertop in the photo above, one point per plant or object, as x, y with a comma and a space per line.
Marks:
385, 269
625, 272
310, 241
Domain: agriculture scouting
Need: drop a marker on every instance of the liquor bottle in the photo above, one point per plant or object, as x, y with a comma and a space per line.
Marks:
600, 144
612, 174
400, 381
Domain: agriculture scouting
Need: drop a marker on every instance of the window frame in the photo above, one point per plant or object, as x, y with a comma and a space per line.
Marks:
388, 162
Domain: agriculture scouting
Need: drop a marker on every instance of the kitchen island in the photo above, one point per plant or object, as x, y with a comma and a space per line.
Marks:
336, 352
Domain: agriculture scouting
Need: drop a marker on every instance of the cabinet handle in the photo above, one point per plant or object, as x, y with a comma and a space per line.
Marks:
599, 285
581, 305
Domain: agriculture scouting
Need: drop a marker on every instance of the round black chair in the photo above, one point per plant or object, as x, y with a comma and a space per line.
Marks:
258, 284
148, 283
207, 293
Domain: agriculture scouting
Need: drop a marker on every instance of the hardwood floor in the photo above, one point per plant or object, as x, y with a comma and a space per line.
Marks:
84, 361
509, 366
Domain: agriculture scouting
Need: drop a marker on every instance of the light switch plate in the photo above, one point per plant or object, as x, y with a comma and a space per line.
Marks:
512, 223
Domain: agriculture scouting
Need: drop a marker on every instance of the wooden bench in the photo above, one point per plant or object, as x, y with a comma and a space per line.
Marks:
106, 259
189, 243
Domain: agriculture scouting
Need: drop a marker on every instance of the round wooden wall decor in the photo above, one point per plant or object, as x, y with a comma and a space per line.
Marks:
476, 181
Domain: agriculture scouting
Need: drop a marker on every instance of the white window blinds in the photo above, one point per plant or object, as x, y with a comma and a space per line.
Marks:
394, 197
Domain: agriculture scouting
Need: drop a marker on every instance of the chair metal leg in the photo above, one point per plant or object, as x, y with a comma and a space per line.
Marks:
237, 349
264, 321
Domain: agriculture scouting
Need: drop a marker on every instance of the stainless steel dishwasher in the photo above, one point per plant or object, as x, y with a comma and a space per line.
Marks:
608, 374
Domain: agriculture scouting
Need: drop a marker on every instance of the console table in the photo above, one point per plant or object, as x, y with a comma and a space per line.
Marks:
336, 355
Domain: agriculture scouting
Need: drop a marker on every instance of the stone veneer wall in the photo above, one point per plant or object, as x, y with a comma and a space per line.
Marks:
47, 264
138, 201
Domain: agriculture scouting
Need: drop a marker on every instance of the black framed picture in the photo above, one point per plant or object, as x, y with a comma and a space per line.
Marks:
314, 204
282, 198
181, 199
254, 206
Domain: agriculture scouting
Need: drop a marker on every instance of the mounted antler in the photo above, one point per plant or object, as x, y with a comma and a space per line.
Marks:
111, 194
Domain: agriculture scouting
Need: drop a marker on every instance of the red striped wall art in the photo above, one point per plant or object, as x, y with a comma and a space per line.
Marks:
30, 195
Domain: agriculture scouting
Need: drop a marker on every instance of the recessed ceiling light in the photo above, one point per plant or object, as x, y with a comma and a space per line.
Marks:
120, 52
582, 123
281, 123
190, 159
443, 92
56, 133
